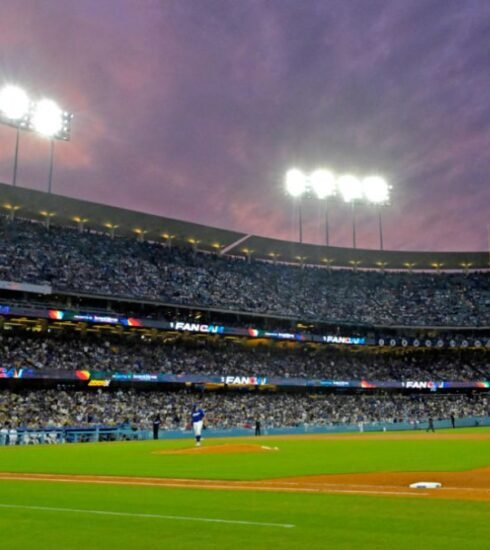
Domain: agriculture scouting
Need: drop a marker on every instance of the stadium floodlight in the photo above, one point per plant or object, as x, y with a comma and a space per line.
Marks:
47, 118
350, 188
14, 103
376, 190
323, 183
295, 182
44, 117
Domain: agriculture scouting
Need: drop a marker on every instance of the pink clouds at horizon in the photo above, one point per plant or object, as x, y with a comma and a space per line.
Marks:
195, 110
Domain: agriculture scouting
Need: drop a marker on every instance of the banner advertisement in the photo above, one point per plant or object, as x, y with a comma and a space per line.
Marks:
104, 379
447, 341
180, 326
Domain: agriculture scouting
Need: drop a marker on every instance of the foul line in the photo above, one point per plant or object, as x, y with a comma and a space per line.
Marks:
147, 516
214, 484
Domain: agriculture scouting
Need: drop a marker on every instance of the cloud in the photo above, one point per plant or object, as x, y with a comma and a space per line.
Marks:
196, 109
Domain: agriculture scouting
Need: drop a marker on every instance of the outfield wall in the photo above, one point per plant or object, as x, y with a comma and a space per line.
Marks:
469, 422
101, 433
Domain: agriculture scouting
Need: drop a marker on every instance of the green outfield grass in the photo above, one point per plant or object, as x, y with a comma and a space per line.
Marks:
66, 515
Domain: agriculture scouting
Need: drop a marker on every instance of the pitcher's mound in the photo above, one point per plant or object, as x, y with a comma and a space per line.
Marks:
219, 449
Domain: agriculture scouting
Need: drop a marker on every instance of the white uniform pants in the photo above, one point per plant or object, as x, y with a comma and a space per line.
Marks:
197, 427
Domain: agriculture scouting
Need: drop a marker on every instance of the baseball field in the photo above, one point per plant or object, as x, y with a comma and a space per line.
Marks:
343, 491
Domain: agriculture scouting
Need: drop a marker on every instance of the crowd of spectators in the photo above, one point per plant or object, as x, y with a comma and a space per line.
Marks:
58, 408
95, 263
133, 354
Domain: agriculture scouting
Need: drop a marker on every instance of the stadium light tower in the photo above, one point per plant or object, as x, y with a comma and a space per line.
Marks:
296, 187
43, 117
49, 121
323, 185
14, 111
350, 189
377, 192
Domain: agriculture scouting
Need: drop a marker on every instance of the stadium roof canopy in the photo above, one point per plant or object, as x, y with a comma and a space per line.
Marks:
38, 205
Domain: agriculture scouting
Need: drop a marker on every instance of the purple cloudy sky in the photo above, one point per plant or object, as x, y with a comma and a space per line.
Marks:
194, 109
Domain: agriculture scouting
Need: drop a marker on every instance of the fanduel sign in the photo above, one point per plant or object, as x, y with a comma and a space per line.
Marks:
197, 327
344, 340
244, 380
417, 385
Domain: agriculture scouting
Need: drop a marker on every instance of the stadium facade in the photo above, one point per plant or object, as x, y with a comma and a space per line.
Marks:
65, 211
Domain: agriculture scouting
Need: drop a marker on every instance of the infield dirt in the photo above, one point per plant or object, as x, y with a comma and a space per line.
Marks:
219, 449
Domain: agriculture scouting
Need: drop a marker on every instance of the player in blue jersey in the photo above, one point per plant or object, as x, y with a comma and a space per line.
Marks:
197, 422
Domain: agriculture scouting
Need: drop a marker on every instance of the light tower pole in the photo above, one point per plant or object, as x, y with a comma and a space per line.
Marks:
380, 225
300, 216
377, 192
14, 112
51, 162
296, 186
16, 157
327, 231
354, 240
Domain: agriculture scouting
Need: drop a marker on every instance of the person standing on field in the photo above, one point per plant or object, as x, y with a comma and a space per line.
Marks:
156, 426
197, 422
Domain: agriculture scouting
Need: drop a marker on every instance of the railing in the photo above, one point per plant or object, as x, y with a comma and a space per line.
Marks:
24, 436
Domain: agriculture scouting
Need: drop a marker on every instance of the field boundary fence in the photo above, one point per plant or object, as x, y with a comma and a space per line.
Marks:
54, 435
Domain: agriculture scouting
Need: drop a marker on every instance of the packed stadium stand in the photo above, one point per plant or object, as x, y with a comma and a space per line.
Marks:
97, 264
68, 350
54, 408
104, 326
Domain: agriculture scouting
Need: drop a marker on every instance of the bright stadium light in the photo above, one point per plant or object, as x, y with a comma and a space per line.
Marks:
323, 183
350, 188
295, 182
47, 118
376, 190
14, 103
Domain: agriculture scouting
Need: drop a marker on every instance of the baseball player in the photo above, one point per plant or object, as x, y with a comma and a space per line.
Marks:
431, 424
197, 421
